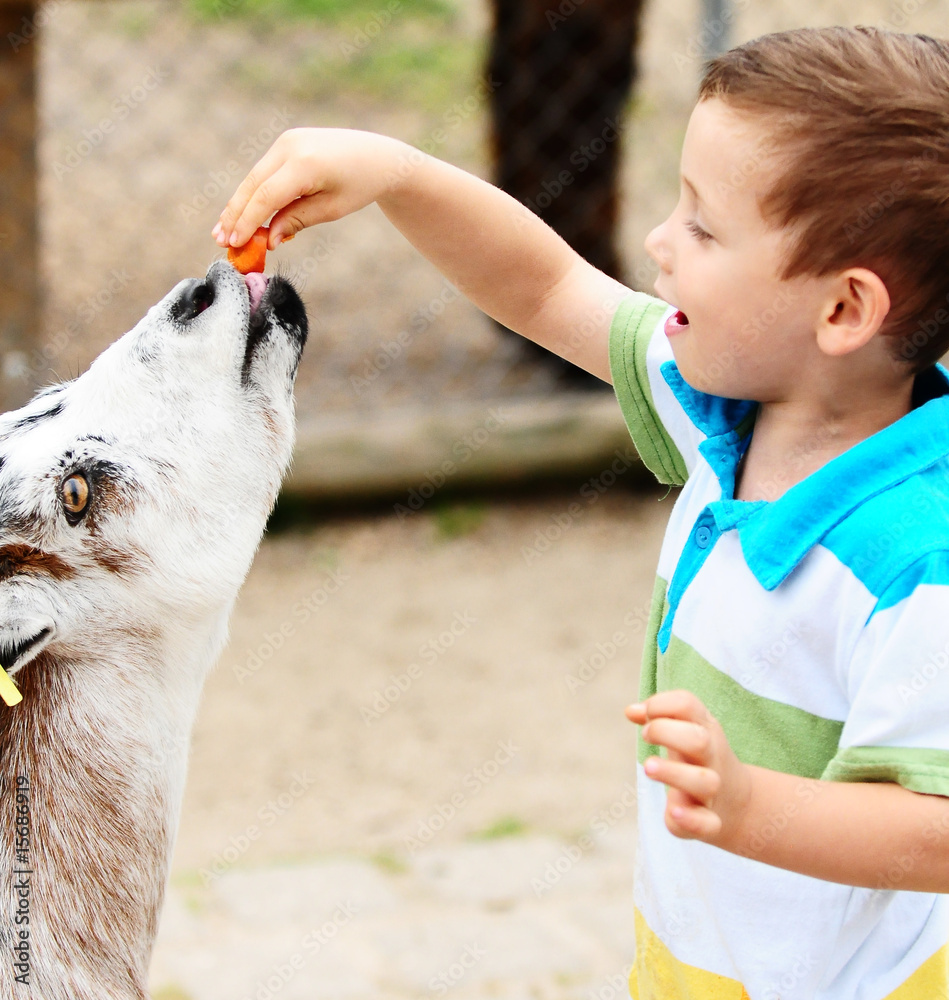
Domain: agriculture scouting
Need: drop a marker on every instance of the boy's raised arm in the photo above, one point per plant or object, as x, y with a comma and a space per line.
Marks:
492, 248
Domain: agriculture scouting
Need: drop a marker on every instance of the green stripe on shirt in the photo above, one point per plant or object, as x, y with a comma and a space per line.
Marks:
632, 328
760, 730
919, 770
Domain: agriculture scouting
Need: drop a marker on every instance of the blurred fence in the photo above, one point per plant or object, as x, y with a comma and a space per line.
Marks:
148, 118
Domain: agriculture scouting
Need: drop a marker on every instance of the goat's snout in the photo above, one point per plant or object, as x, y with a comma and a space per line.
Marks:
195, 297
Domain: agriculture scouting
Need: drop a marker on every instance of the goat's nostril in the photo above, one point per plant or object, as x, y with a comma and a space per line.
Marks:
194, 300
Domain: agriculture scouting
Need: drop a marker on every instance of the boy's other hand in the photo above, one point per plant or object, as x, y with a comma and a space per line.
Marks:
709, 787
309, 175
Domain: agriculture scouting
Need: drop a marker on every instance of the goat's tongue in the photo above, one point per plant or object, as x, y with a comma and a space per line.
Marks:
256, 286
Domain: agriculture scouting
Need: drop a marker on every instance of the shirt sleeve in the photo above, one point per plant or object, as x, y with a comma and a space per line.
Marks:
897, 728
665, 437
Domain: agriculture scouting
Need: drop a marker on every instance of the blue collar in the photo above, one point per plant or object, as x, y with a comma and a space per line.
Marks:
776, 536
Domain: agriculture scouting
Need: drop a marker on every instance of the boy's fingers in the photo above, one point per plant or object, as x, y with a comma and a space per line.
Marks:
699, 783
690, 739
279, 190
271, 163
299, 215
693, 822
677, 705
237, 204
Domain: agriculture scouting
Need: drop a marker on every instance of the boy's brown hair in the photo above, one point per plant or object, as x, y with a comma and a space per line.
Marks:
861, 120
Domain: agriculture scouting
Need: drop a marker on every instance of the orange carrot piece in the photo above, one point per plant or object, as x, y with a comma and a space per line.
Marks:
252, 255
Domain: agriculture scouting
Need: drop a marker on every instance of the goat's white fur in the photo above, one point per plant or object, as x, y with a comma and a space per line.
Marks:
185, 435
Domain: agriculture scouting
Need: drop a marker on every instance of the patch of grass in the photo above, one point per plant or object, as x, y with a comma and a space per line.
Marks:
336, 12
171, 992
458, 519
137, 24
390, 863
507, 826
188, 880
426, 71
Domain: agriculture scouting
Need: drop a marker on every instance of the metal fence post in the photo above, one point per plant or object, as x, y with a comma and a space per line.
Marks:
19, 287
715, 30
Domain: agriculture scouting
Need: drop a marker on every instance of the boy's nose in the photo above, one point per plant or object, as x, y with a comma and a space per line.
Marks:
658, 249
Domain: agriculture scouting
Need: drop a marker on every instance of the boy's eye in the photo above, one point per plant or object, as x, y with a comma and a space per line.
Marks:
698, 232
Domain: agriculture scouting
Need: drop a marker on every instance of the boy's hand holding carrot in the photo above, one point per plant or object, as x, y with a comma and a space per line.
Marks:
500, 255
308, 176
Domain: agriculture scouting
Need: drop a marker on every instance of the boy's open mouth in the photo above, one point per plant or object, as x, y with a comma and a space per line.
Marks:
676, 322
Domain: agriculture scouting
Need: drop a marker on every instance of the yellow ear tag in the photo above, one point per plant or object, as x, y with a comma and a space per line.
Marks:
9, 692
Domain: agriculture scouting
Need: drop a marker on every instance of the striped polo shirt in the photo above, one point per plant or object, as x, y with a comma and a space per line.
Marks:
816, 629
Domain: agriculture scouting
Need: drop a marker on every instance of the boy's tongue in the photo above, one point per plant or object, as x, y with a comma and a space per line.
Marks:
677, 321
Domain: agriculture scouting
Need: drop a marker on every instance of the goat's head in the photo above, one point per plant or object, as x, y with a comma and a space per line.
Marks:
136, 495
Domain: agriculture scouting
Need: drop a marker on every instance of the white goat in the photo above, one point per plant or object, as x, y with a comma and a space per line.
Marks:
131, 503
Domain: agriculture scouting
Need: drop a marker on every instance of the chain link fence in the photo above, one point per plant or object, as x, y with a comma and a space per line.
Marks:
150, 117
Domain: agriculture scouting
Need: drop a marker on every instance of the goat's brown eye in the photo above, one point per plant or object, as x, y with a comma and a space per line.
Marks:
75, 494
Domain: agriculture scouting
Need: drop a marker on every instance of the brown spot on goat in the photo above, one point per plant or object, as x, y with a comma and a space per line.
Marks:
115, 559
23, 559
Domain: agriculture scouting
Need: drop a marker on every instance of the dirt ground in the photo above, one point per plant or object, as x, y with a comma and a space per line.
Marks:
420, 721
389, 660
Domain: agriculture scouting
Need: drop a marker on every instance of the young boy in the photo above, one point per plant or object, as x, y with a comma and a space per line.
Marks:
794, 755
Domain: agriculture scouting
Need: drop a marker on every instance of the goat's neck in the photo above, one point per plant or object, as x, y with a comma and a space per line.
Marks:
103, 747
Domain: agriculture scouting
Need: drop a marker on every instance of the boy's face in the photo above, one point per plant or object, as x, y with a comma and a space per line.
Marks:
742, 331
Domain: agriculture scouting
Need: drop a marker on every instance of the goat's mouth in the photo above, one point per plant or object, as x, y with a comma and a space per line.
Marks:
18, 648
274, 303
256, 286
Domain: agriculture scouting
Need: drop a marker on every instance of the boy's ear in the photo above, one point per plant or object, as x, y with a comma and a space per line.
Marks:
857, 305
